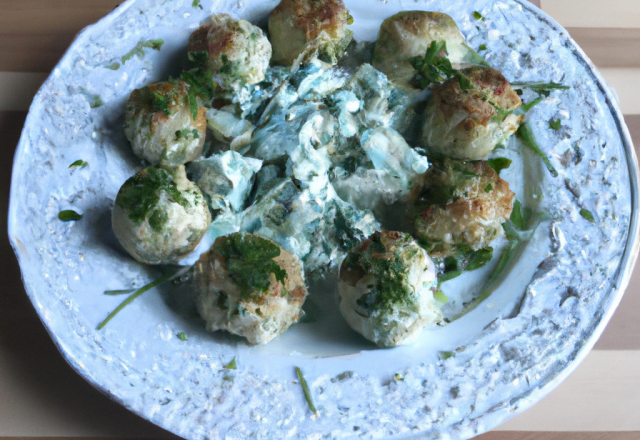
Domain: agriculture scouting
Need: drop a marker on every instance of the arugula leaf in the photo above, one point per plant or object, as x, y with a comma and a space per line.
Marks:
433, 69
69, 215
499, 163
524, 132
587, 215
305, 389
555, 124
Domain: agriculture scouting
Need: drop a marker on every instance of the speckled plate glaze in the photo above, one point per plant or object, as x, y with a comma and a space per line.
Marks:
518, 345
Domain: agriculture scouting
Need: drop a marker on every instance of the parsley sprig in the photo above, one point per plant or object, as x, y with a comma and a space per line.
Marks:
435, 67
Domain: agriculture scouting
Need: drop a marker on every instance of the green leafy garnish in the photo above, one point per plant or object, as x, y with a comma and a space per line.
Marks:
441, 297
118, 292
193, 103
196, 4
449, 276
250, 262
68, 215
95, 102
478, 16
482, 47
231, 365
444, 355
480, 259
555, 124
432, 68
499, 163
185, 133
350, 20
140, 195
540, 88
140, 291
305, 389
199, 57
488, 188
587, 215
113, 66
78, 164
182, 336
524, 132
526, 107
139, 49
200, 81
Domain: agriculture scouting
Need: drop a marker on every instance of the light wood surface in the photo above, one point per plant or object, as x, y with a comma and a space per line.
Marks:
40, 396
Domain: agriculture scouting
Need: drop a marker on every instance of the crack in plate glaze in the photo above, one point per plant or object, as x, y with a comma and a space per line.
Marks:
504, 356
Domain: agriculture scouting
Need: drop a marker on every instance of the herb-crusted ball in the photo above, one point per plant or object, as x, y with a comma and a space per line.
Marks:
236, 51
159, 216
249, 286
386, 289
462, 207
469, 123
297, 24
163, 125
408, 34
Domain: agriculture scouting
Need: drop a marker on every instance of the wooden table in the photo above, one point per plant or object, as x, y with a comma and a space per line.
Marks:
40, 396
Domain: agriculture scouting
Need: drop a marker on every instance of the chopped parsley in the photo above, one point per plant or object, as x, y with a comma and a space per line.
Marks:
444, 355
478, 16
479, 259
193, 103
524, 132
250, 262
196, 4
555, 124
488, 188
199, 81
587, 215
482, 47
69, 215
139, 49
78, 164
140, 195
305, 390
231, 365
432, 68
95, 102
113, 66
185, 133
499, 163
181, 336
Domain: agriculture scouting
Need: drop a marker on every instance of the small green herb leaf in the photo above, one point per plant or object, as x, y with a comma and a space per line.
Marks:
441, 297
449, 276
478, 16
488, 188
95, 102
193, 103
482, 47
78, 164
196, 4
139, 49
118, 292
499, 163
305, 389
69, 215
182, 336
555, 124
524, 132
113, 66
587, 215
526, 107
350, 19
444, 355
540, 87
480, 259
231, 365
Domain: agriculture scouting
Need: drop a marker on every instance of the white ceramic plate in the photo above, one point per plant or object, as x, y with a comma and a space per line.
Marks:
520, 343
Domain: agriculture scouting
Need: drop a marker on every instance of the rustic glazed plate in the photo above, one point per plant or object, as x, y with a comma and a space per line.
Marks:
457, 381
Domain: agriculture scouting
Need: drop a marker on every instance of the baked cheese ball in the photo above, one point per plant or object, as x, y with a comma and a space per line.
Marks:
249, 286
295, 25
386, 287
462, 207
160, 125
469, 123
408, 34
159, 216
236, 51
